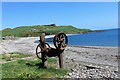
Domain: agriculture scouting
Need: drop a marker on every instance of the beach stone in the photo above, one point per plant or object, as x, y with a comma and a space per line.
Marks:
92, 73
70, 74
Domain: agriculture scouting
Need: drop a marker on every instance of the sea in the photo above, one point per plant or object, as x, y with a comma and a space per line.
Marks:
105, 38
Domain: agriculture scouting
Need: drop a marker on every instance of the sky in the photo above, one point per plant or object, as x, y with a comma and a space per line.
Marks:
87, 15
60, 0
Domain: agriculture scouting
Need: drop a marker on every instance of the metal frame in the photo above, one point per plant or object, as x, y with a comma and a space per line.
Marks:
43, 49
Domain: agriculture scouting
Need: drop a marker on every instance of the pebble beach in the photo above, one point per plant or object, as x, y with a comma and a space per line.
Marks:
82, 61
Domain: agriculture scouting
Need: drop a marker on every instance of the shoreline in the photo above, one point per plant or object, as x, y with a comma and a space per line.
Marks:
93, 46
51, 36
90, 53
74, 57
32, 41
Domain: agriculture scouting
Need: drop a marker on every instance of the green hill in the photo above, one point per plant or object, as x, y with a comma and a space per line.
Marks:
36, 30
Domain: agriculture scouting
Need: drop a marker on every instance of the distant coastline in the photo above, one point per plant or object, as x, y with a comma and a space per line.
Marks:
52, 29
36, 30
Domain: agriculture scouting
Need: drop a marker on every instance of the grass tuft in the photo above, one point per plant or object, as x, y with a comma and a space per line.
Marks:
13, 55
31, 69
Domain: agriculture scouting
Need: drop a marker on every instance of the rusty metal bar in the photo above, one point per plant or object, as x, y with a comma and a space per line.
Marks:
43, 48
60, 60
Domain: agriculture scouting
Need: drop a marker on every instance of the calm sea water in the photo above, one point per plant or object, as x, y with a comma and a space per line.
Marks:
107, 38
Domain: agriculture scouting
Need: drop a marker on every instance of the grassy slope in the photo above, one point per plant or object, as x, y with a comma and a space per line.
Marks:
25, 30
13, 55
21, 69
29, 68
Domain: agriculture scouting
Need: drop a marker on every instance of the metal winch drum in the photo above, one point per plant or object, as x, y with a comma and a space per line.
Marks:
43, 49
